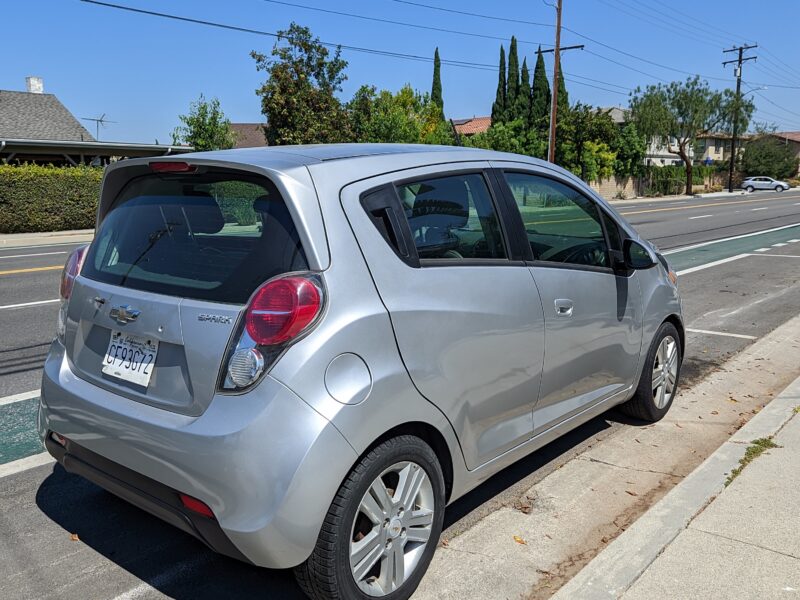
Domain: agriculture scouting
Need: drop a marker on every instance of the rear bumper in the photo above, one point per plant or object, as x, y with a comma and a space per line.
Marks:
265, 462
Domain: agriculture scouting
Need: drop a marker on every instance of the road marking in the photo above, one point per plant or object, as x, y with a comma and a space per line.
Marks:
178, 571
701, 217
793, 241
649, 210
32, 270
761, 250
19, 397
779, 255
23, 464
723, 333
27, 255
728, 239
779, 244
714, 264
37, 303
762, 208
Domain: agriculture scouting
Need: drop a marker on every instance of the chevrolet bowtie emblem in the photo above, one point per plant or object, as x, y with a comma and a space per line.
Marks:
124, 313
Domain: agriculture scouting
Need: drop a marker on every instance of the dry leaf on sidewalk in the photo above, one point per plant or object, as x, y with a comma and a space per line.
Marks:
519, 540
631, 493
74, 537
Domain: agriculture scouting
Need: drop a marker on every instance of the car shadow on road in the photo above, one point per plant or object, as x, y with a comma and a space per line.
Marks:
172, 562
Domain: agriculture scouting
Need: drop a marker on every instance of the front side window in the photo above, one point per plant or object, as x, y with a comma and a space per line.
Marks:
562, 225
452, 217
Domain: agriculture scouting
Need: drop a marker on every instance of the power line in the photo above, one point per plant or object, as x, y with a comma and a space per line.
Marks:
401, 23
775, 104
473, 14
779, 117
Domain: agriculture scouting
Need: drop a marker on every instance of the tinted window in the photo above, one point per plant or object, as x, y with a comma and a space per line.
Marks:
452, 217
215, 236
562, 224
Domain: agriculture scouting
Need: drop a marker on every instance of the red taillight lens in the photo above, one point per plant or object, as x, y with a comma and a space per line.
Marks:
281, 309
172, 167
195, 505
71, 271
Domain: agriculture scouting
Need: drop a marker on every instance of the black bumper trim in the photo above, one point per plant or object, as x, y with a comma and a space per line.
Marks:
148, 494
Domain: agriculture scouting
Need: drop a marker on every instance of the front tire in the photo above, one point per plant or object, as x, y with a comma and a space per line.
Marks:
382, 527
779, 188
659, 381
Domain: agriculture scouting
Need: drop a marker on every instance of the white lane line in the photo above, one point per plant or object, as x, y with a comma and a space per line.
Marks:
779, 255
714, 264
27, 255
676, 203
23, 464
723, 333
37, 303
762, 208
19, 397
779, 244
700, 217
180, 570
727, 239
761, 250
793, 241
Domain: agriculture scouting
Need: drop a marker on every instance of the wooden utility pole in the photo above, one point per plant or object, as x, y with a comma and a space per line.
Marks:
736, 104
551, 142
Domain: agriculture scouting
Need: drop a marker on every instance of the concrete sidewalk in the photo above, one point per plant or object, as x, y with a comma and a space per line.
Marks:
705, 540
46, 238
640, 199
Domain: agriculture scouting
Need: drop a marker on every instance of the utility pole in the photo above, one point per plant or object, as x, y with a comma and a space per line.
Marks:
736, 105
557, 50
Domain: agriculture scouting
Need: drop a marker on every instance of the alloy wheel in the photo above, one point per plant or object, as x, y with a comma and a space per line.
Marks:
392, 528
665, 371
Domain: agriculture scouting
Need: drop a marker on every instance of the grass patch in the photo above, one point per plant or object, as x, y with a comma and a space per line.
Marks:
797, 409
754, 450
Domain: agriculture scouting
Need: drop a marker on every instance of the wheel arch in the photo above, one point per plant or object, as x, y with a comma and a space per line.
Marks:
678, 323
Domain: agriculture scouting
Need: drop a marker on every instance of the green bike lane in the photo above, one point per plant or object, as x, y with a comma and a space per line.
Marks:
19, 439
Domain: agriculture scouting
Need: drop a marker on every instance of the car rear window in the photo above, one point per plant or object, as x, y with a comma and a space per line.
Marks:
213, 236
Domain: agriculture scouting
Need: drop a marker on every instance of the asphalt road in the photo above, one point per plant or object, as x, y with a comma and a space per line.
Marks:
752, 287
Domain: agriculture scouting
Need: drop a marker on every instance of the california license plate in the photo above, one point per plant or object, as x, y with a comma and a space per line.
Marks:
130, 357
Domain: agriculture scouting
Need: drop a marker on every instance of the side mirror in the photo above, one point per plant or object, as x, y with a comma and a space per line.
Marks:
637, 256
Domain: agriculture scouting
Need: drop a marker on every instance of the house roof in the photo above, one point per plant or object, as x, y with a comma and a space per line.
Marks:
792, 136
249, 135
472, 126
24, 115
618, 114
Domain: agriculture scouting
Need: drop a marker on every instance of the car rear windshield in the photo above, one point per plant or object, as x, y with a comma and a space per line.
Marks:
213, 236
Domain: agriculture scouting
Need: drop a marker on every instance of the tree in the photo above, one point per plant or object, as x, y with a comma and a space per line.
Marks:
563, 96
512, 87
630, 149
540, 97
522, 105
499, 106
768, 156
205, 127
680, 112
514, 136
585, 149
436, 87
298, 99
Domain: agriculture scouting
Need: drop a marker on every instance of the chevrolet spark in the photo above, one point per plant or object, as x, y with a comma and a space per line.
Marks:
301, 355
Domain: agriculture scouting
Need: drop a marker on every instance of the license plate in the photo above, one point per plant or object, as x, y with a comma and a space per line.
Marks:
130, 357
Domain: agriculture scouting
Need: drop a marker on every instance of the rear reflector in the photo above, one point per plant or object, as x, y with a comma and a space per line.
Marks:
197, 506
58, 439
172, 167
281, 309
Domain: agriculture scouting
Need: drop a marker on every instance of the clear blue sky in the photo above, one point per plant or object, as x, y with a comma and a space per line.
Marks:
143, 71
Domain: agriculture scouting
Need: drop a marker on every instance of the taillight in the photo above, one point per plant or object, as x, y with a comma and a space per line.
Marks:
71, 271
282, 308
196, 506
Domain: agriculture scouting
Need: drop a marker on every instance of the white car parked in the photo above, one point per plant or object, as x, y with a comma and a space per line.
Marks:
764, 183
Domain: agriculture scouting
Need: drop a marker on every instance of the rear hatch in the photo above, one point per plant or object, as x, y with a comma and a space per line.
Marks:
171, 268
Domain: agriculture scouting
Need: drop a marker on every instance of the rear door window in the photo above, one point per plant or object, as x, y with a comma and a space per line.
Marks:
214, 236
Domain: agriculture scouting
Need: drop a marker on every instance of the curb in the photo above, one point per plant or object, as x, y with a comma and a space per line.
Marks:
621, 563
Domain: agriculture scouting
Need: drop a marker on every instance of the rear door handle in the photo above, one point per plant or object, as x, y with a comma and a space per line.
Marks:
563, 307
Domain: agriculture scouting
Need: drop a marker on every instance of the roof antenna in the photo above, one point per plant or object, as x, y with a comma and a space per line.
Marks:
101, 120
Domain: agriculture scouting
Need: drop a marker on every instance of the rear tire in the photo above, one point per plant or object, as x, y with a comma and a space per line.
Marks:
659, 381
385, 519
749, 189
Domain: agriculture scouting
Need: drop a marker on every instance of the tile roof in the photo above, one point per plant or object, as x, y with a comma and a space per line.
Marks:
792, 136
38, 117
473, 125
249, 135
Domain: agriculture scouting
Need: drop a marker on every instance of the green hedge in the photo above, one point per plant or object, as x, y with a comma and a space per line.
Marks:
47, 198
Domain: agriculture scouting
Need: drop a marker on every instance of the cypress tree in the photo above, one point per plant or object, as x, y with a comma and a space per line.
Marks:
513, 80
436, 87
540, 97
499, 106
522, 107
563, 97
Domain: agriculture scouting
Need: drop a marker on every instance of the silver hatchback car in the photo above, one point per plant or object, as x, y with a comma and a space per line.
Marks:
300, 355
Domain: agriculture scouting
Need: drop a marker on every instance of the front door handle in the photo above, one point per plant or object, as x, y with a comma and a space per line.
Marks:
563, 307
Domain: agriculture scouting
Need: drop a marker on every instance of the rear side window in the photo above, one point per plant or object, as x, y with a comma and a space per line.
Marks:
214, 236
452, 217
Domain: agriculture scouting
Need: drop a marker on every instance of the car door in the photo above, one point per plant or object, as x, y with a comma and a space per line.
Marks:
467, 317
592, 313
762, 183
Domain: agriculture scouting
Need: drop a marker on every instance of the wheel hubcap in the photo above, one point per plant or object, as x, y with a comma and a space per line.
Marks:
665, 371
391, 529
